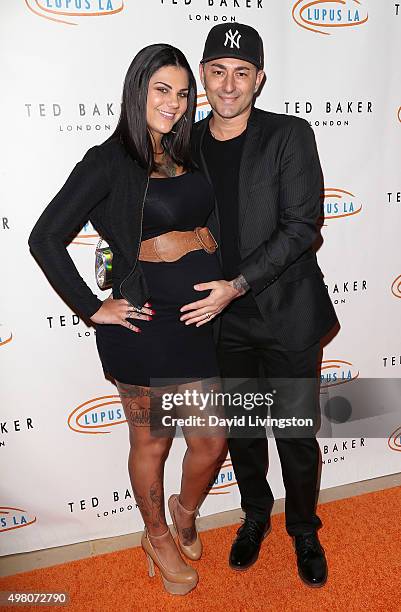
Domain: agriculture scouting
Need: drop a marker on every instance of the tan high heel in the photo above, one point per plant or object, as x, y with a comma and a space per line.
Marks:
192, 551
176, 583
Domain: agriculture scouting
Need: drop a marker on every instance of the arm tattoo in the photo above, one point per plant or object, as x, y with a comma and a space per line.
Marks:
240, 284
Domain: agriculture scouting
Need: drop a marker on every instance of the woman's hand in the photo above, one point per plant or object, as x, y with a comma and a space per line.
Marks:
117, 311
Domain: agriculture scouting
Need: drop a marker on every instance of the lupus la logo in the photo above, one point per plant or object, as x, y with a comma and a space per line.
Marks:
225, 479
14, 518
87, 236
59, 10
97, 415
394, 440
321, 16
336, 372
5, 335
203, 107
396, 287
339, 203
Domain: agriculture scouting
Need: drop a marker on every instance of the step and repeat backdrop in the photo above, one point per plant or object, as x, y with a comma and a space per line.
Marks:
63, 438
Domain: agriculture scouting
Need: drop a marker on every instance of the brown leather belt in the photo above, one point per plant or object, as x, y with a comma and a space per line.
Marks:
174, 245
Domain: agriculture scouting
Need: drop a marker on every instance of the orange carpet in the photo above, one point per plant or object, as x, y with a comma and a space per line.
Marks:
361, 535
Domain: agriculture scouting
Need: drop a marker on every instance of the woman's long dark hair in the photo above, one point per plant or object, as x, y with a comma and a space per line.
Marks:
132, 126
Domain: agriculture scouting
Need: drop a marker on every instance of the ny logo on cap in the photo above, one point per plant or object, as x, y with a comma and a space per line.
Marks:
233, 39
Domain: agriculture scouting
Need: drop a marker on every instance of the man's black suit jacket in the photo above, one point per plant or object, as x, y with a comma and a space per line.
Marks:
280, 199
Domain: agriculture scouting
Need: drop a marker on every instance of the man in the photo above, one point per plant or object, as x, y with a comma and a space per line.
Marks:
274, 305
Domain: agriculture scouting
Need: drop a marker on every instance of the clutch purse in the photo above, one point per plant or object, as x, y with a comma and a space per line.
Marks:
103, 266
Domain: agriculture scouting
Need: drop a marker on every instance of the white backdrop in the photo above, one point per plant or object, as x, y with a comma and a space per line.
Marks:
63, 440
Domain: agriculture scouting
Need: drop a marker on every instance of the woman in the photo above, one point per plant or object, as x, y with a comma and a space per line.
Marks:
140, 191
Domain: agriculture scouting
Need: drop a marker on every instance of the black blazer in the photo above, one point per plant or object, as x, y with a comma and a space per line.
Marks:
280, 191
108, 188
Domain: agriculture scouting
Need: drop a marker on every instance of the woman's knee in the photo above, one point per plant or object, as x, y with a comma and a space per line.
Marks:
152, 448
219, 448
214, 448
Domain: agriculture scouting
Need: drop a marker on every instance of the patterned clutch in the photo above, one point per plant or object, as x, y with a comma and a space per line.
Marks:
103, 266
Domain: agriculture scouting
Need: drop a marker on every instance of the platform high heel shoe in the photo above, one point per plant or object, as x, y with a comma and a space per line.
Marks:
176, 583
191, 551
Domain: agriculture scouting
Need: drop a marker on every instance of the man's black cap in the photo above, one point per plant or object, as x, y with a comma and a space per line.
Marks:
234, 40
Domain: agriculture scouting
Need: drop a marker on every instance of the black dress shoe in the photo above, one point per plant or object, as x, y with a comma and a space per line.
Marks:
312, 564
245, 549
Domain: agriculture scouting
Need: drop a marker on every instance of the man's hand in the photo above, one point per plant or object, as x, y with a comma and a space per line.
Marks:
221, 294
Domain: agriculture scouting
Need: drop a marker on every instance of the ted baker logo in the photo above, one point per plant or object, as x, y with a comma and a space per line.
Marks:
97, 415
70, 11
394, 440
14, 518
91, 116
337, 372
339, 203
329, 113
215, 12
87, 236
396, 287
326, 16
225, 479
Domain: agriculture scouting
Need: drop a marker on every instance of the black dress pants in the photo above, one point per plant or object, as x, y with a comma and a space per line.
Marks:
247, 351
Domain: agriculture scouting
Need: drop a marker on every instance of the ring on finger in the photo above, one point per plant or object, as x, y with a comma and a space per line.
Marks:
134, 311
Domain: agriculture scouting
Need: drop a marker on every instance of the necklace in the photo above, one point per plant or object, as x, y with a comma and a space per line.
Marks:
218, 140
212, 133
167, 166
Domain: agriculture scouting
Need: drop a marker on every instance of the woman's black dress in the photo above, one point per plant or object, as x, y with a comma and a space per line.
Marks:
166, 348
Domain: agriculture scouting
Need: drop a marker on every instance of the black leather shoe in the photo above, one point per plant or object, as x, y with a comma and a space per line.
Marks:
246, 546
312, 564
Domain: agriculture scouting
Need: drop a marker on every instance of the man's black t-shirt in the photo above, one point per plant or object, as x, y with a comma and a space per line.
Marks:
223, 158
